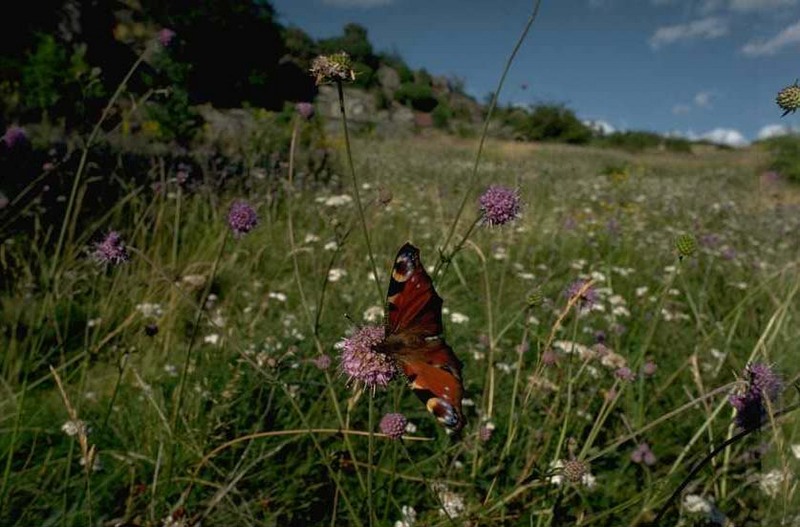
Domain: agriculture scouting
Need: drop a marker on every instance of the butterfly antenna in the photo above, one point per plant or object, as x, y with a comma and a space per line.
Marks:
349, 318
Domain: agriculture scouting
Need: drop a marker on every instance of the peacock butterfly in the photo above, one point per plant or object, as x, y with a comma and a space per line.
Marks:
414, 338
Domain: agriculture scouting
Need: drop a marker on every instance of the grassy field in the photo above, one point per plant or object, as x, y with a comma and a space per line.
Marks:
186, 385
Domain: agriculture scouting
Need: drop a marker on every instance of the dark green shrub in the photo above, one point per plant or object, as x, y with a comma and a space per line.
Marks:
678, 144
442, 115
632, 140
548, 122
418, 96
785, 151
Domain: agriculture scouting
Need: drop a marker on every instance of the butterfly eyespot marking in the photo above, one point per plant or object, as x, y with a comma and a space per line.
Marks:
443, 411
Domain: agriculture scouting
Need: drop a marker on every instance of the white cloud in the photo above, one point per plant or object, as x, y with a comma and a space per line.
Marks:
754, 5
600, 126
681, 109
703, 99
725, 136
704, 28
775, 130
357, 3
787, 37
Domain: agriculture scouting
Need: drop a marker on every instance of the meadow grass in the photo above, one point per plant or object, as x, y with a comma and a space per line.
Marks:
227, 415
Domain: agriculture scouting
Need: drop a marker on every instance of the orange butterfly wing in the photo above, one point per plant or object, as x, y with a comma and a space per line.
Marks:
414, 335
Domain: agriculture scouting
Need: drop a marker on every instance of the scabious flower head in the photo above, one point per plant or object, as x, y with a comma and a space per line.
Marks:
111, 250
643, 454
587, 296
649, 368
242, 218
393, 425
14, 136
549, 357
322, 362
165, 36
625, 374
763, 384
305, 110
499, 205
332, 68
361, 363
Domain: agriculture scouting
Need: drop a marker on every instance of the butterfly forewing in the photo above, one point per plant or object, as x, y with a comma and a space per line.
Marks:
412, 302
414, 336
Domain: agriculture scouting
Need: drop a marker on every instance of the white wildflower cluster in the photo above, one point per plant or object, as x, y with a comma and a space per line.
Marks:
339, 200
373, 314
75, 427
452, 504
149, 310
408, 515
336, 274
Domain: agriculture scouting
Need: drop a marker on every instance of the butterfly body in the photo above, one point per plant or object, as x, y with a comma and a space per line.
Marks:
414, 338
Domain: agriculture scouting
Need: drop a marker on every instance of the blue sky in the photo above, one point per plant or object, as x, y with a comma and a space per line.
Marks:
699, 68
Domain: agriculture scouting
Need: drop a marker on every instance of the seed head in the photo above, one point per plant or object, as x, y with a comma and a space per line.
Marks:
686, 245
574, 470
333, 68
499, 205
361, 363
111, 250
536, 298
788, 99
242, 218
393, 425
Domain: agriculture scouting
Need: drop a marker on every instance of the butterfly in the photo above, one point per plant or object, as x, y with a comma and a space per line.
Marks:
415, 340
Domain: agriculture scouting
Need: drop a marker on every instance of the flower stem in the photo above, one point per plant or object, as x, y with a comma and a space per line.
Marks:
356, 192
707, 459
489, 112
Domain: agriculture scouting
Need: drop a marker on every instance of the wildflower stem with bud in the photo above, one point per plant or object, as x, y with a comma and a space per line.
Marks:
179, 394
485, 131
70, 215
707, 459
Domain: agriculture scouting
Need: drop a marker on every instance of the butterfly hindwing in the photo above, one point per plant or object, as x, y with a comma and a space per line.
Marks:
434, 373
414, 336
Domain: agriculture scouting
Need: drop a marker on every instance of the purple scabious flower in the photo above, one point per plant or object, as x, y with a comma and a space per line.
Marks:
649, 369
393, 425
643, 454
165, 36
361, 363
14, 136
111, 250
499, 205
625, 374
763, 385
587, 296
305, 110
322, 362
242, 218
